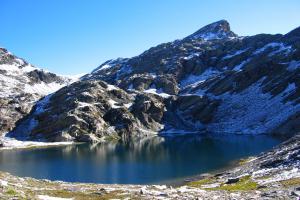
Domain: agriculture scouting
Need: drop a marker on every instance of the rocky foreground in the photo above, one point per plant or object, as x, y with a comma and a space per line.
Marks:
272, 175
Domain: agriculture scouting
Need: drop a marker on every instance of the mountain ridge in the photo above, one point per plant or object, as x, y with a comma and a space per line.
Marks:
222, 85
22, 84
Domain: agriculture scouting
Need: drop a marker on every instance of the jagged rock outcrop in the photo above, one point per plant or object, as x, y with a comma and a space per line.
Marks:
21, 85
88, 111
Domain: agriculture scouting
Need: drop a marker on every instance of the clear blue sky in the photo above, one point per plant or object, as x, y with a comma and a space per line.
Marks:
75, 36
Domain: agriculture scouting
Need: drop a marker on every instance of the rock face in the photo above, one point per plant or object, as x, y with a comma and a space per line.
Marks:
217, 30
212, 80
21, 85
88, 111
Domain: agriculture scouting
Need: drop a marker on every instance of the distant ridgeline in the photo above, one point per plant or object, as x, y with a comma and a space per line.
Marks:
211, 81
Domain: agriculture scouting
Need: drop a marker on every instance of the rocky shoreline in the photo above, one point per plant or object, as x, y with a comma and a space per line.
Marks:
271, 175
213, 81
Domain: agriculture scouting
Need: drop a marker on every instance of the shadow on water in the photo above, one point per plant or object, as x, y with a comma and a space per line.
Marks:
150, 160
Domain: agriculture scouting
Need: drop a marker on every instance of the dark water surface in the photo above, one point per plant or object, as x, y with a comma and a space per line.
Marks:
152, 160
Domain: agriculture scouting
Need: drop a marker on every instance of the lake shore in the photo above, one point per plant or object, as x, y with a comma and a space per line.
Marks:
271, 175
8, 143
12, 187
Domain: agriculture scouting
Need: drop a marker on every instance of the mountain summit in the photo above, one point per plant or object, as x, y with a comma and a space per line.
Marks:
213, 31
208, 82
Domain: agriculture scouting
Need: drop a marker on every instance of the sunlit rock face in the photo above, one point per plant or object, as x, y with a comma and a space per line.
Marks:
211, 81
217, 81
88, 111
21, 85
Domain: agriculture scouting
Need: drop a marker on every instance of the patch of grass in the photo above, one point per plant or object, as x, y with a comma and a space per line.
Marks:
201, 182
244, 184
291, 182
41, 183
264, 177
245, 161
11, 192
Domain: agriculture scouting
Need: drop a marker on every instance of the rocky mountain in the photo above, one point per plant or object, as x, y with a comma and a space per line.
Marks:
21, 85
211, 81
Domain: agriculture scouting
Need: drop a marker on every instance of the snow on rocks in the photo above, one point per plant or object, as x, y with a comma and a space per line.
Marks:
21, 85
238, 52
43, 88
46, 197
11, 143
251, 111
281, 176
109, 64
3, 183
239, 67
275, 47
293, 65
157, 92
196, 79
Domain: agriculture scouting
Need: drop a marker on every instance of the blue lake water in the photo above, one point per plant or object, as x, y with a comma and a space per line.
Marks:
147, 161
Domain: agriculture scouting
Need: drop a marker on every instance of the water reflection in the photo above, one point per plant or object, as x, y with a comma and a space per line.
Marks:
151, 160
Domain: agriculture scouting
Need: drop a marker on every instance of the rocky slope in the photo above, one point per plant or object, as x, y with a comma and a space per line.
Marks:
89, 111
212, 80
221, 82
21, 85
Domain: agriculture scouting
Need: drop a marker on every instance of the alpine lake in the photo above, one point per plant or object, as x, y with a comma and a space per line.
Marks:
154, 160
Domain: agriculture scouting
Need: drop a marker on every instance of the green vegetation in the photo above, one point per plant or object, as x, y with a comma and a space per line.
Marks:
244, 184
11, 192
245, 160
201, 182
291, 182
264, 177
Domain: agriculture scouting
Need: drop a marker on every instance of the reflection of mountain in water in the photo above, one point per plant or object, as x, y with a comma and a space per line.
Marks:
150, 160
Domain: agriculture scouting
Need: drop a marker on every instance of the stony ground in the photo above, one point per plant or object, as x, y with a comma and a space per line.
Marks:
27, 188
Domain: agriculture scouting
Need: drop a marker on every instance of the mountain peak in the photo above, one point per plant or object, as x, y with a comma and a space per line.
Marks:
216, 30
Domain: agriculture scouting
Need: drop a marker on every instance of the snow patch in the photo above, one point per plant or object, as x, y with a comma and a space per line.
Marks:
234, 54
28, 68
251, 111
157, 92
191, 56
196, 79
113, 103
111, 87
239, 67
105, 67
127, 105
284, 175
3, 183
46, 197
43, 88
293, 65
279, 47
11, 143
